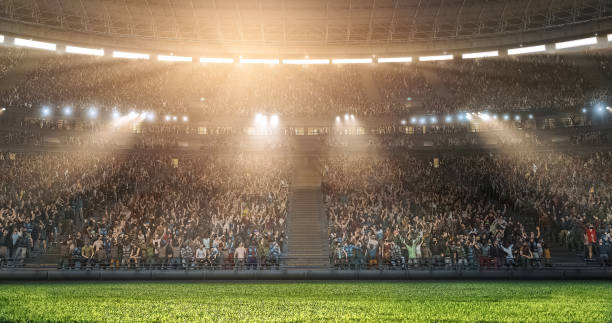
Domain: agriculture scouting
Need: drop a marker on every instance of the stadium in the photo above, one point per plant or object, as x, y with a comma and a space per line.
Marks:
305, 160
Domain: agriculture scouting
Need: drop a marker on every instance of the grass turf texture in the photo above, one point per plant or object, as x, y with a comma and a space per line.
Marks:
308, 301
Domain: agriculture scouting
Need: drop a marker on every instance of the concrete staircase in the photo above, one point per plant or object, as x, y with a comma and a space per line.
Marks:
308, 247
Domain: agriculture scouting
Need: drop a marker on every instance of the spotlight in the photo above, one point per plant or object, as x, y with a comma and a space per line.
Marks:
506, 117
485, 117
600, 109
132, 114
448, 119
531, 116
403, 122
116, 115
185, 119
67, 111
495, 117
352, 117
468, 116
413, 120
3, 109
92, 113
150, 116
517, 117
337, 119
274, 120
167, 118
461, 117
433, 120
346, 117
584, 110
174, 118
45, 111
422, 120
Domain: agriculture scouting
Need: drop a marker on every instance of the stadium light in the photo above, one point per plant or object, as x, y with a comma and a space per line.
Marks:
527, 50
216, 60
1, 38
480, 55
45, 111
436, 58
128, 55
171, 58
84, 51
34, 44
351, 60
92, 113
270, 61
274, 120
67, 111
395, 59
305, 61
576, 43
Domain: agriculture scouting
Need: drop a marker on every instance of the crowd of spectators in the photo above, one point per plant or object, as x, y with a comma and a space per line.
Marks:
138, 209
535, 83
467, 212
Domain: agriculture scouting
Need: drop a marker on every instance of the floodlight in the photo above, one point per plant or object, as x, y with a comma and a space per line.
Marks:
128, 55
34, 44
435, 58
576, 43
395, 59
480, 55
527, 50
85, 51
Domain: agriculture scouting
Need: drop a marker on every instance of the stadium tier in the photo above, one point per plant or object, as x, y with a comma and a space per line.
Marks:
423, 146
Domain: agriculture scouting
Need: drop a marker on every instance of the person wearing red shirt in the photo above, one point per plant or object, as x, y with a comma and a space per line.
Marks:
591, 235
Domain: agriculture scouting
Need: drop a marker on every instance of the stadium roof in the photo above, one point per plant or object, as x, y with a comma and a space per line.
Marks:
312, 23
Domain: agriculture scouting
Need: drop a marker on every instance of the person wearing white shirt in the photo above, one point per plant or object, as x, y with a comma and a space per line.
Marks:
201, 256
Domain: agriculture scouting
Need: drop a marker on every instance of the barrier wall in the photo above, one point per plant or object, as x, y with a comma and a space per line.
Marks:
253, 275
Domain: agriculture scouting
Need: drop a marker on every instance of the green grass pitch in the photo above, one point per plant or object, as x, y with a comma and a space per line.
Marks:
308, 301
